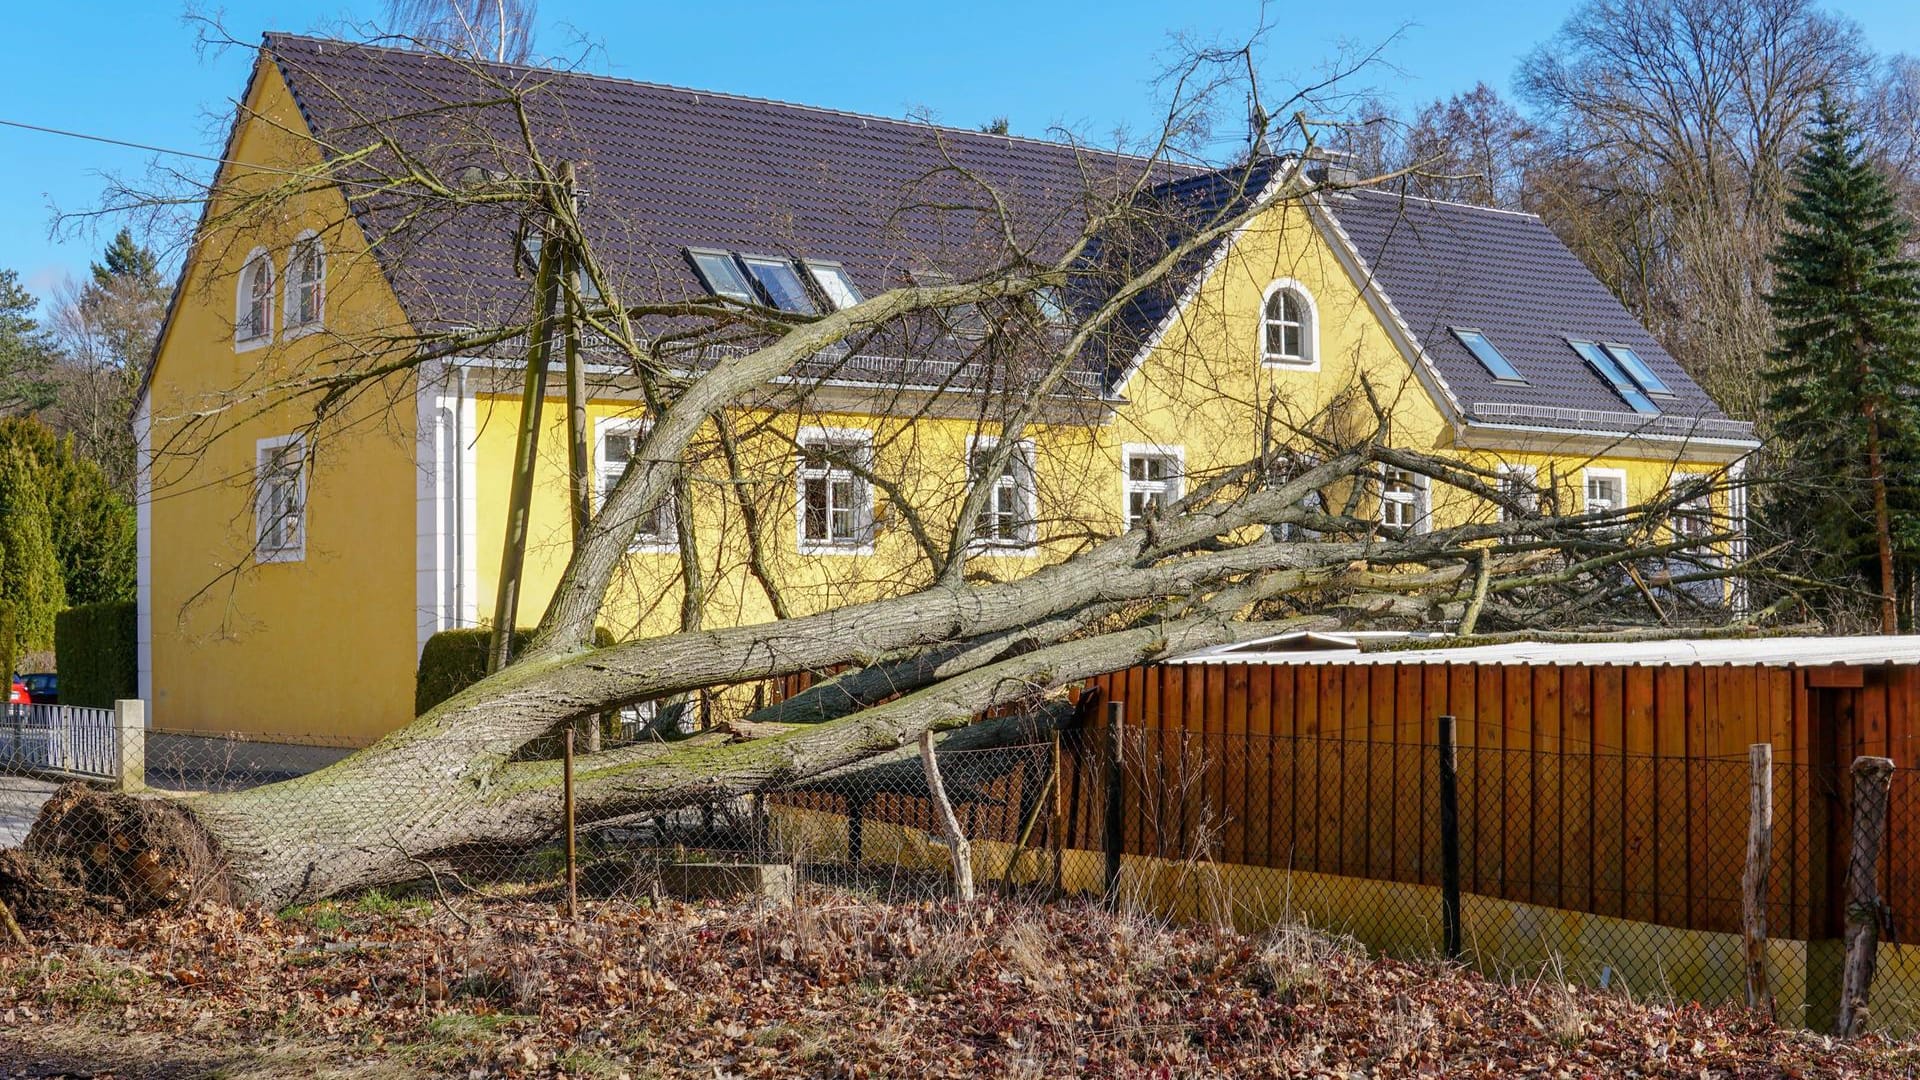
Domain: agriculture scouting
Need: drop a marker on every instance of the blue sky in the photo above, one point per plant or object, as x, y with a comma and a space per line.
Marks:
130, 70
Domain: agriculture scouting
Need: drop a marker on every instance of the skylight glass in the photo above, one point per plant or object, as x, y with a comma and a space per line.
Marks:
1637, 368
1483, 351
835, 284
781, 282
1604, 364
722, 275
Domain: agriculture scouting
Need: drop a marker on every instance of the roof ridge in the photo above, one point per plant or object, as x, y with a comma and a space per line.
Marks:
983, 136
1441, 202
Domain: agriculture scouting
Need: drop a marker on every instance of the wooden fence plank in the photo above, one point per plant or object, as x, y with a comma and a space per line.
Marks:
1382, 796
1257, 751
1435, 701
1233, 767
1611, 791
1519, 810
1642, 817
1577, 801
1490, 799
1284, 767
1549, 785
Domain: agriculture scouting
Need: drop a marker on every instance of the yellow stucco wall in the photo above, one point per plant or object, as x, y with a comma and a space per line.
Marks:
325, 648
320, 649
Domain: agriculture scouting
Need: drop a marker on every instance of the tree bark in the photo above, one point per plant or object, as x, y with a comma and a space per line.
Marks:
949, 824
1882, 525
1871, 777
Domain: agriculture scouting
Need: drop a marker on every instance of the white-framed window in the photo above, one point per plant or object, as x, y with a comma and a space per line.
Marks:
1289, 326
1008, 519
253, 302
1606, 489
1519, 486
1692, 518
834, 283
835, 503
306, 285
616, 440
1151, 480
1405, 499
280, 500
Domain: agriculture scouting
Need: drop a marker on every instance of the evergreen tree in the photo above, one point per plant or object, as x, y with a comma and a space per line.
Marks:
1846, 307
30, 575
127, 258
25, 352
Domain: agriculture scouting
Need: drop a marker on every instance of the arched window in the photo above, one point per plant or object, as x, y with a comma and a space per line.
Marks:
1287, 331
253, 309
306, 284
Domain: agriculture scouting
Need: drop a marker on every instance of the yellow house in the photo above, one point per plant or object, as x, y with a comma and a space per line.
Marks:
292, 567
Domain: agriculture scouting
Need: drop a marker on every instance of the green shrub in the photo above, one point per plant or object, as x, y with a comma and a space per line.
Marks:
456, 659
9, 640
98, 652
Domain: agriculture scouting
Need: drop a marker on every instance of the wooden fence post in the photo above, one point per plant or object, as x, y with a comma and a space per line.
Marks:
566, 792
129, 744
949, 822
1871, 778
1753, 881
1113, 837
1449, 840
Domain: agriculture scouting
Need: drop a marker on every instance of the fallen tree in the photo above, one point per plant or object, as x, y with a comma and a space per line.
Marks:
1285, 539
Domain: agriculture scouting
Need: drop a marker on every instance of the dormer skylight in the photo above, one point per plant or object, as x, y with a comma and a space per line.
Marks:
1609, 369
1489, 357
722, 275
834, 284
1636, 368
781, 283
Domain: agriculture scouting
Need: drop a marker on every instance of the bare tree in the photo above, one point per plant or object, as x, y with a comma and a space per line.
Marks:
499, 30
1668, 128
1019, 303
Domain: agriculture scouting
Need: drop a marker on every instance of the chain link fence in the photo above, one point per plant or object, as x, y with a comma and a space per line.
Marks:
1614, 870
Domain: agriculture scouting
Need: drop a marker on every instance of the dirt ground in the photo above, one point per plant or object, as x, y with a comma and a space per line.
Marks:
836, 985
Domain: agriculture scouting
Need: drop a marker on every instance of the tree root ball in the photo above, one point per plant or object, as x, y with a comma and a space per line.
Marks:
110, 851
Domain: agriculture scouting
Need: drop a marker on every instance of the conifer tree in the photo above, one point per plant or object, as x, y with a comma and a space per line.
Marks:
1846, 307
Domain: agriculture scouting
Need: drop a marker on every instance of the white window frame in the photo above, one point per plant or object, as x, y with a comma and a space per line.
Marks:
1587, 475
289, 318
637, 427
265, 452
1309, 332
243, 303
1173, 488
1705, 551
1527, 474
821, 271
862, 543
1021, 466
1421, 499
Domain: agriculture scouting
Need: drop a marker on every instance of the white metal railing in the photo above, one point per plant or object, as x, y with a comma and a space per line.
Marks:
65, 739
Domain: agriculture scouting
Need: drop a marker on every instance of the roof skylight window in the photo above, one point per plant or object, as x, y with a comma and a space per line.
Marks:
834, 283
1636, 368
781, 282
722, 275
1483, 351
1608, 369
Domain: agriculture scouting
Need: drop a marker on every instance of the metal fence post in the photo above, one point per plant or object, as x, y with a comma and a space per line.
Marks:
1753, 881
1114, 835
129, 744
1871, 778
1449, 840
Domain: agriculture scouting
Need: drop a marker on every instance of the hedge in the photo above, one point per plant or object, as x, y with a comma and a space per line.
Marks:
9, 639
97, 648
453, 660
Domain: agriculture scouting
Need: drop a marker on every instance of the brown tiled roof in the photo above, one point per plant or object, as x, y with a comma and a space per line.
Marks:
1446, 265
667, 168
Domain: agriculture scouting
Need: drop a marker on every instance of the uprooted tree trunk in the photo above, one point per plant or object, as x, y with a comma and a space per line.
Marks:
932, 660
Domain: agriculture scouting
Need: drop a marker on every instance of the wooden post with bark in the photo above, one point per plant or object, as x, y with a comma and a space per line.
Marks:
1872, 777
566, 798
1753, 880
1449, 840
949, 822
1114, 834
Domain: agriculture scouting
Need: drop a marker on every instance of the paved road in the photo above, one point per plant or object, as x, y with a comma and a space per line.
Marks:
176, 763
20, 799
